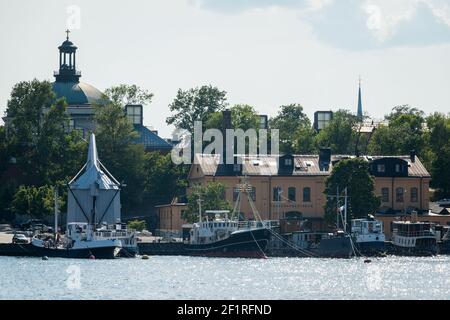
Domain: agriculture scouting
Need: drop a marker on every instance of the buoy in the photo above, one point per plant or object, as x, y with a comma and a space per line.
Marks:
145, 257
92, 257
367, 261
44, 258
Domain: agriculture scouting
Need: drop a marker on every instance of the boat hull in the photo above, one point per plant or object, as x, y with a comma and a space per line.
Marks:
371, 248
83, 253
336, 247
423, 247
242, 244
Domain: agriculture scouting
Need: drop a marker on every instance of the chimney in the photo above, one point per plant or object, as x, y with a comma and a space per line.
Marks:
324, 158
226, 124
413, 155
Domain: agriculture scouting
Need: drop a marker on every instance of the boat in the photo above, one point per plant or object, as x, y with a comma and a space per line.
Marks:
94, 198
223, 235
79, 243
414, 238
368, 235
121, 232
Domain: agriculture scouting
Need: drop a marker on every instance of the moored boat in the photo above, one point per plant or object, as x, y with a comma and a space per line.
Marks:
369, 236
414, 238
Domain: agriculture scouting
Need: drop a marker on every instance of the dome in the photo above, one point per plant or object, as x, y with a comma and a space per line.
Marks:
78, 93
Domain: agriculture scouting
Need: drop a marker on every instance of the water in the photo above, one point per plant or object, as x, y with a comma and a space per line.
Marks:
206, 278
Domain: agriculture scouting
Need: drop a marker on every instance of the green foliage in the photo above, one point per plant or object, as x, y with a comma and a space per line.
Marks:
36, 202
123, 158
243, 117
138, 225
354, 175
163, 179
292, 123
403, 133
212, 196
196, 104
340, 134
123, 95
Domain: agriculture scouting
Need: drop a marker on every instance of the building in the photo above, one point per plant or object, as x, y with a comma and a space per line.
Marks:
82, 97
322, 119
170, 218
295, 184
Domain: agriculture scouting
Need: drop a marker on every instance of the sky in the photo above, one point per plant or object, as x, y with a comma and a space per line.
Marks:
265, 53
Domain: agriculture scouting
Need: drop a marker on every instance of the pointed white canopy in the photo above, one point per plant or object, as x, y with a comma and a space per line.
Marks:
94, 195
94, 176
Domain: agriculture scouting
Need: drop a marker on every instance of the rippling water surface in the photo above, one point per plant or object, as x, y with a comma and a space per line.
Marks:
206, 278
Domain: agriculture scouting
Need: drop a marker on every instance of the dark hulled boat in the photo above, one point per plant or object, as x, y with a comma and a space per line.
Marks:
223, 238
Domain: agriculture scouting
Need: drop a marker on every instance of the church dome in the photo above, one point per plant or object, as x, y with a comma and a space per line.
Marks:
78, 93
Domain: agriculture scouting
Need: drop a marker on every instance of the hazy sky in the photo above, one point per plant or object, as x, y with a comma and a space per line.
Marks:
262, 52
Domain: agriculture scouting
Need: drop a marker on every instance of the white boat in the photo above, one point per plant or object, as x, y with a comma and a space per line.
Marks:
79, 242
369, 235
414, 238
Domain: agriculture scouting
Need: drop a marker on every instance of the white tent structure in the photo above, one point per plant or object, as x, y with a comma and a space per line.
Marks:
94, 196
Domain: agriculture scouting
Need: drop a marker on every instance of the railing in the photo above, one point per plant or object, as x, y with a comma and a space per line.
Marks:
426, 233
258, 224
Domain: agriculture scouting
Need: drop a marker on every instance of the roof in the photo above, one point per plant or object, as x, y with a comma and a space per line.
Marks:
94, 176
78, 93
150, 139
304, 165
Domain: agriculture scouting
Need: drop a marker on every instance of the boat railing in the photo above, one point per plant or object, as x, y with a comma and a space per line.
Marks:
414, 233
258, 224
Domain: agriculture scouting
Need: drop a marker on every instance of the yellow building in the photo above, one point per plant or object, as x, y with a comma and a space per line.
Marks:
293, 185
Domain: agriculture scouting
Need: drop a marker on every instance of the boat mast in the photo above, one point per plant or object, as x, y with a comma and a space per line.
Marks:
56, 212
338, 213
199, 201
345, 211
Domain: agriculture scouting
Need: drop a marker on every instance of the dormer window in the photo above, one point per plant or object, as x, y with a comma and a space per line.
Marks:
288, 162
398, 168
381, 168
236, 167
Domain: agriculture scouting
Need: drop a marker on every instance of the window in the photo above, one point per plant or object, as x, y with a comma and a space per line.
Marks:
323, 119
414, 195
381, 168
398, 168
385, 195
307, 194
291, 194
134, 114
399, 194
277, 194
288, 162
236, 167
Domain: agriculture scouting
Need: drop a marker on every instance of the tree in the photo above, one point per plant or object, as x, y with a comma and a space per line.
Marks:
128, 94
36, 202
118, 152
243, 117
354, 175
305, 141
290, 120
212, 196
439, 145
138, 225
340, 135
196, 104
403, 133
163, 180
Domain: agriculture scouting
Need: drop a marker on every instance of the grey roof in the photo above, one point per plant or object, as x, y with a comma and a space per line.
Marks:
94, 176
78, 93
150, 140
304, 165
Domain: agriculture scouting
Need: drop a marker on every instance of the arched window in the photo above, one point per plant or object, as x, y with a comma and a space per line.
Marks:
307, 194
399, 194
414, 195
292, 194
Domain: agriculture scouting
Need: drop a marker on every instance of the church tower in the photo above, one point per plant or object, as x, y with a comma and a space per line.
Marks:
67, 62
360, 109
